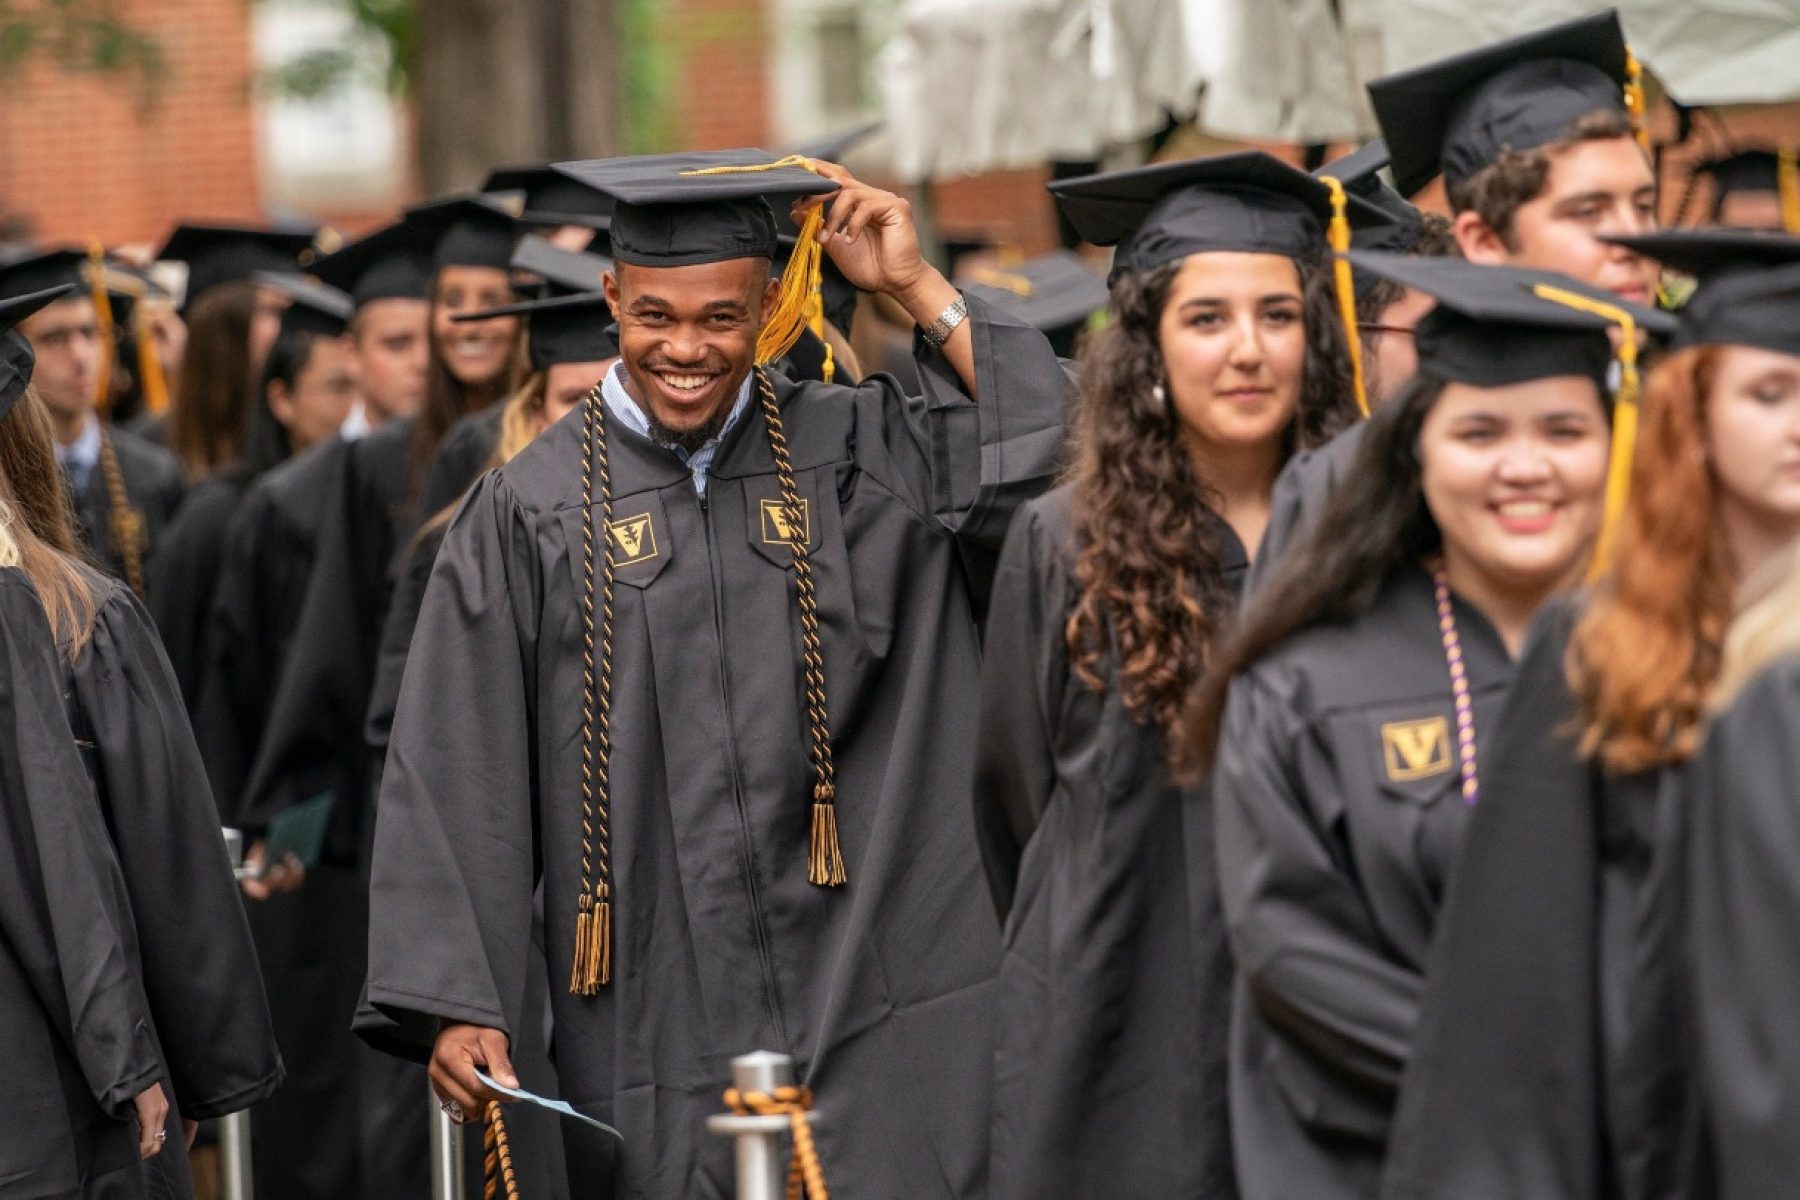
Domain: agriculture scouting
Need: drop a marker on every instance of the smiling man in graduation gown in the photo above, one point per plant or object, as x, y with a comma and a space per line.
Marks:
752, 829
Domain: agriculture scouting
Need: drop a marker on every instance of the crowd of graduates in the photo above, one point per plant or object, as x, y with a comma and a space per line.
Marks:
1308, 712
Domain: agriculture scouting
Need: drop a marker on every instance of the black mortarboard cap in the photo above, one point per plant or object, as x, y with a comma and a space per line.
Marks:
563, 272
393, 263
16, 359
466, 231
314, 307
561, 329
1243, 201
1491, 328
553, 197
1054, 292
1360, 173
1743, 171
36, 272
1748, 292
218, 254
678, 210
1454, 117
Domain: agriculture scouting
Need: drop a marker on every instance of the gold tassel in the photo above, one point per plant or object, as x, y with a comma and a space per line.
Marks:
602, 947
1345, 281
825, 865
151, 380
1635, 103
1625, 418
584, 929
104, 314
1787, 179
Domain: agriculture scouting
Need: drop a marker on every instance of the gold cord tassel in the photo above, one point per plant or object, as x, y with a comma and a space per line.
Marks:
1345, 286
103, 313
499, 1181
1787, 181
151, 379
1625, 418
600, 951
825, 865
1635, 103
591, 968
584, 934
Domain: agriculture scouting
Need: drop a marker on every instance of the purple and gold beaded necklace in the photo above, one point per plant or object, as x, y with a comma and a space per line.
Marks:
1459, 686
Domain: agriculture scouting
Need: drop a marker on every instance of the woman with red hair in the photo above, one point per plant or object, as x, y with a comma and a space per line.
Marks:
1554, 977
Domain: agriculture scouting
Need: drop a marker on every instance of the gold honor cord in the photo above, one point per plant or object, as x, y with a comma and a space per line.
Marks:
499, 1181
806, 1174
1344, 284
592, 966
1787, 179
1625, 417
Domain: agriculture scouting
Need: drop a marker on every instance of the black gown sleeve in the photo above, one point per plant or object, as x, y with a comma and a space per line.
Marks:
239, 667
1024, 665
454, 863
61, 897
1301, 932
181, 576
1743, 884
200, 969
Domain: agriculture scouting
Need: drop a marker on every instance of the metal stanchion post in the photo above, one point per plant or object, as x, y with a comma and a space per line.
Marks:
761, 1166
236, 1181
447, 1181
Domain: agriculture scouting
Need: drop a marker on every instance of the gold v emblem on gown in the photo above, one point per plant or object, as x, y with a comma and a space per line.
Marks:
1416, 749
635, 538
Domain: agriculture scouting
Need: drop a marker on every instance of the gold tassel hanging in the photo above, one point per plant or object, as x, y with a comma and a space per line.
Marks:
151, 380
1625, 418
96, 280
1787, 180
1635, 102
825, 864
1344, 281
600, 947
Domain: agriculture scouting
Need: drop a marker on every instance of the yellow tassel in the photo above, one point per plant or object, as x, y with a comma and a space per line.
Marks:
1625, 418
151, 380
1635, 103
826, 864
1345, 281
602, 948
584, 930
1787, 178
104, 315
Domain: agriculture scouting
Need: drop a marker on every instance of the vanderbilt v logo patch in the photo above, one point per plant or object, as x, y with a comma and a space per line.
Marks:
1416, 749
778, 530
634, 538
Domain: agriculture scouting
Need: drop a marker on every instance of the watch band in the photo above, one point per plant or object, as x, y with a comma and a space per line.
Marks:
946, 324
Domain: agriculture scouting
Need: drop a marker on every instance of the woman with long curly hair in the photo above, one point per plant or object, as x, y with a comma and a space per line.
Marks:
1344, 721
1223, 355
1555, 975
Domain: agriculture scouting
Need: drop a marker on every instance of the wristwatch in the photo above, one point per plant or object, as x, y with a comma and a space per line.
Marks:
940, 330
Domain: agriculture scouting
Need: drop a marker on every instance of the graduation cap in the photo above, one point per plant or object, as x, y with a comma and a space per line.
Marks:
1772, 172
393, 263
465, 231
1360, 173
564, 272
314, 307
1053, 292
552, 197
219, 254
1246, 201
1496, 326
35, 272
1747, 293
563, 329
1455, 116
16, 358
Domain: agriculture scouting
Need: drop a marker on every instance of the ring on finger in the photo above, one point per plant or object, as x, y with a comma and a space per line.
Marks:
454, 1110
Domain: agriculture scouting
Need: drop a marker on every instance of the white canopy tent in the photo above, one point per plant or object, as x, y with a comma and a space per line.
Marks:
979, 85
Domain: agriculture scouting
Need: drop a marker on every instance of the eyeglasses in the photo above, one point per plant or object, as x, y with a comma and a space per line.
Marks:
1371, 327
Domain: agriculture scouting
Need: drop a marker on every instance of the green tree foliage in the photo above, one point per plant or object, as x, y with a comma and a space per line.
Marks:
79, 35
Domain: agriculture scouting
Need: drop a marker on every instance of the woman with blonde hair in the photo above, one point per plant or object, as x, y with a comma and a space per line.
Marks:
1554, 979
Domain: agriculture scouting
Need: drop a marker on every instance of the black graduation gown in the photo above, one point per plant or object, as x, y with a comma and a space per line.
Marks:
1301, 493
80, 1044
184, 574
154, 486
881, 990
1115, 979
1554, 979
1339, 806
1742, 923
466, 451
199, 968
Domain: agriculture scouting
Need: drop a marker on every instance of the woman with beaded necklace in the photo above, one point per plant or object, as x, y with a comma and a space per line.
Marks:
1344, 721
